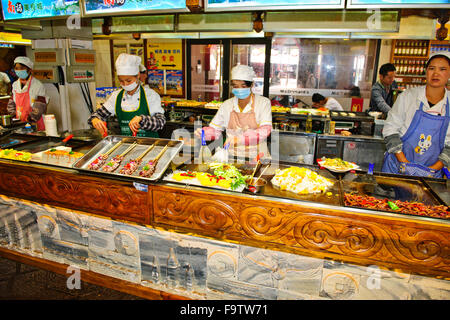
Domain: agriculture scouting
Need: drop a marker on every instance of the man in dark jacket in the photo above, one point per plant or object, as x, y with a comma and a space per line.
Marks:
382, 97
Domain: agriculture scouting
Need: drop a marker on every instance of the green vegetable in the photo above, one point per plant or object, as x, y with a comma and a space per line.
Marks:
393, 206
229, 172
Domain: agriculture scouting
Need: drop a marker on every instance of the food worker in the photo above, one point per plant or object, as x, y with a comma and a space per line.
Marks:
416, 129
138, 109
329, 103
382, 94
28, 102
143, 75
247, 117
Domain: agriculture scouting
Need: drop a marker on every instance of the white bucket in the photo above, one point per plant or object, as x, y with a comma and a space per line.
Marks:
51, 128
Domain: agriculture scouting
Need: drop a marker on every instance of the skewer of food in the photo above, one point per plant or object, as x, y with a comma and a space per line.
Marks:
134, 164
149, 169
114, 163
100, 160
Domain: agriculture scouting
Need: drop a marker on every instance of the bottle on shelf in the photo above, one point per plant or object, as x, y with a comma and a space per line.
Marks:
309, 123
408, 48
326, 126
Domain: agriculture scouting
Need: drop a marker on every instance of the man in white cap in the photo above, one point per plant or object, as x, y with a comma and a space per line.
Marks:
28, 102
416, 130
143, 75
247, 117
138, 109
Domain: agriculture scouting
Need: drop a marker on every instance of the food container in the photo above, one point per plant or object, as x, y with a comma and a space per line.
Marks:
6, 120
256, 185
174, 147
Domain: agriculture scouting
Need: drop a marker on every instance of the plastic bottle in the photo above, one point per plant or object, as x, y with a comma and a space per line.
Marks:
309, 123
28, 128
172, 116
326, 126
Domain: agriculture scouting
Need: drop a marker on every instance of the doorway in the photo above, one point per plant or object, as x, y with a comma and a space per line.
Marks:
209, 64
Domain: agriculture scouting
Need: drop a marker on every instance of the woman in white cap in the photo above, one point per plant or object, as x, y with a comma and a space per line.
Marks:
416, 130
138, 109
28, 102
247, 117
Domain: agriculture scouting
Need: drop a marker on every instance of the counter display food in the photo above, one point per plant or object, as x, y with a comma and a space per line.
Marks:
148, 159
140, 158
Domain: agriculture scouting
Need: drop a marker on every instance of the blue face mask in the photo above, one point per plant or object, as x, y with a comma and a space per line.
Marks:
22, 74
241, 93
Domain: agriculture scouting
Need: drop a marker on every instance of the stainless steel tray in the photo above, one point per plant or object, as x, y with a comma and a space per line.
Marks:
107, 143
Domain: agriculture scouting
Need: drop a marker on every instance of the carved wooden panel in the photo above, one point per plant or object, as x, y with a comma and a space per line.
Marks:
100, 196
411, 246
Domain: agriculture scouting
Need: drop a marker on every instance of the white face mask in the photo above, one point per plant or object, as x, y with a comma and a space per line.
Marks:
130, 87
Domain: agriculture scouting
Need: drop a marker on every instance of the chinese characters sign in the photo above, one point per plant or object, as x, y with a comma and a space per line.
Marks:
236, 4
121, 6
26, 9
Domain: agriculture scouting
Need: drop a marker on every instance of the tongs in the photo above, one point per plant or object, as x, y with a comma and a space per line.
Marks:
258, 157
447, 174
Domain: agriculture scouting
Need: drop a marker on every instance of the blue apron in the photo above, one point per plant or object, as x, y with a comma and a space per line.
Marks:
423, 142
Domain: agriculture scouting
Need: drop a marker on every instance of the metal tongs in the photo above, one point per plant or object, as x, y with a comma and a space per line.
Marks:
447, 174
258, 157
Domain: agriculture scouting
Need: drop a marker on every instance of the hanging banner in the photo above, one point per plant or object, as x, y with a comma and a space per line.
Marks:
218, 5
102, 7
164, 55
397, 3
156, 80
174, 82
27, 9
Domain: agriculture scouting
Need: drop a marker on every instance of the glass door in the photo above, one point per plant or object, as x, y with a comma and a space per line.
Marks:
205, 70
210, 63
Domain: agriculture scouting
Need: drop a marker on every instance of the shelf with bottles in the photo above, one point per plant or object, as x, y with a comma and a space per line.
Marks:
410, 82
410, 49
439, 46
409, 67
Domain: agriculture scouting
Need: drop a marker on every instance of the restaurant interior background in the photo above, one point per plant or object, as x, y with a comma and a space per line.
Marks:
327, 47
219, 244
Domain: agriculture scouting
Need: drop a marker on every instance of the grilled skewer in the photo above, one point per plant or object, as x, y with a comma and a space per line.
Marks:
114, 163
148, 170
134, 164
100, 160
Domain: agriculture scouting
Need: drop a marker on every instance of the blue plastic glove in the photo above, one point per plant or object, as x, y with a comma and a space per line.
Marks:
418, 170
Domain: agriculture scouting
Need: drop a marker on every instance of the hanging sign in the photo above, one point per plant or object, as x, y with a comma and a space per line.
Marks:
164, 56
102, 7
32, 9
397, 3
218, 5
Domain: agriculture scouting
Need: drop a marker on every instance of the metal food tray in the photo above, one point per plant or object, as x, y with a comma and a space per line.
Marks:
142, 144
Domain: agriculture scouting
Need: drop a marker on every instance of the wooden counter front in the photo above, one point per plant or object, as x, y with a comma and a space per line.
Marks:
410, 244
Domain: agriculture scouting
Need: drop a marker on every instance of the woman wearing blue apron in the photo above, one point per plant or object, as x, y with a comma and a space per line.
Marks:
138, 108
416, 129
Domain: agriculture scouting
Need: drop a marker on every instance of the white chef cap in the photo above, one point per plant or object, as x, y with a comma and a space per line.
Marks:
440, 53
142, 68
127, 64
241, 72
25, 61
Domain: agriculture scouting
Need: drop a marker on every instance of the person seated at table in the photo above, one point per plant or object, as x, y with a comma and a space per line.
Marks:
319, 101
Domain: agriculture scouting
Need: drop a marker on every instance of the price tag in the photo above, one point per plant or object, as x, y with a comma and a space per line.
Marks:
140, 186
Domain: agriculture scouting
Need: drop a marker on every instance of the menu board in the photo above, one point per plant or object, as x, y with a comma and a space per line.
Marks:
398, 3
101, 7
27, 9
217, 5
